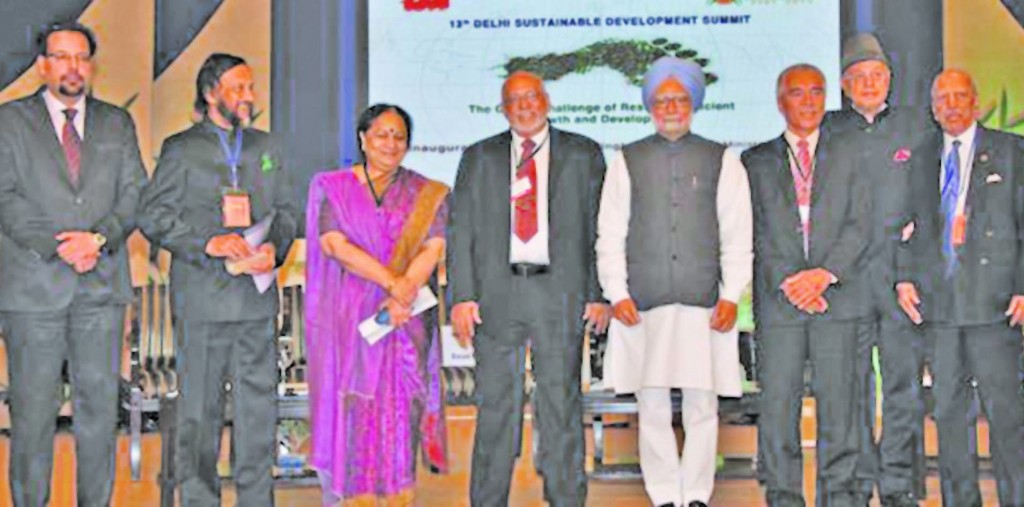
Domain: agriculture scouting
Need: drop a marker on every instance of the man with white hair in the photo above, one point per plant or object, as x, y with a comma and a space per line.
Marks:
674, 253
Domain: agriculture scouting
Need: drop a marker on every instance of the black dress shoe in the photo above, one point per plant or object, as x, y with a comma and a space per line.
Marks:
899, 500
697, 503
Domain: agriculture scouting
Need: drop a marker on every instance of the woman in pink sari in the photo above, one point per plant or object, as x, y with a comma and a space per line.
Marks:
375, 235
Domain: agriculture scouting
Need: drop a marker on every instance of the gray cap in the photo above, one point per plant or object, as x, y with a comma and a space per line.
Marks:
861, 47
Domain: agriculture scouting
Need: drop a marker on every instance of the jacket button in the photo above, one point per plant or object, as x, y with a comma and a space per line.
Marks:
988, 233
79, 201
984, 261
675, 257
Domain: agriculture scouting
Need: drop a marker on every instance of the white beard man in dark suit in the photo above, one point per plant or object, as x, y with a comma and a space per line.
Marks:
961, 276
70, 177
522, 268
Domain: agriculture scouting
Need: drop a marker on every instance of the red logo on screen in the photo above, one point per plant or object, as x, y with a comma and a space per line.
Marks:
422, 5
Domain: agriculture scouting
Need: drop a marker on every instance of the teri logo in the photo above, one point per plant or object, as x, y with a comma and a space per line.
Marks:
423, 5
723, 2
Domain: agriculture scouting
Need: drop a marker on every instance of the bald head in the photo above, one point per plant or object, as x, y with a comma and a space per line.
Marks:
525, 103
954, 101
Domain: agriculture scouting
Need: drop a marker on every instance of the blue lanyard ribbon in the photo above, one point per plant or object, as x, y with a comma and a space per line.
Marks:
231, 156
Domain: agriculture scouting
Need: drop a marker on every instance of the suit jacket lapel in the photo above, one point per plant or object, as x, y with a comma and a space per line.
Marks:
40, 120
821, 175
500, 169
93, 123
980, 168
784, 178
555, 163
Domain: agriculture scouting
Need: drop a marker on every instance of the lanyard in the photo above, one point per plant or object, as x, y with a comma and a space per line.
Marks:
518, 163
800, 170
231, 156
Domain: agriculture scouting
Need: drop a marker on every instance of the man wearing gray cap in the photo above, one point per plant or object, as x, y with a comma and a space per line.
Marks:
674, 252
885, 138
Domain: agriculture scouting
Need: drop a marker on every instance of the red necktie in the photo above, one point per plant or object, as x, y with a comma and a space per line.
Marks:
525, 226
72, 146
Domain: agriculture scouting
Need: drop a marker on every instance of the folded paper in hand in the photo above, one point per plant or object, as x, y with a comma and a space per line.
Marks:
373, 331
255, 236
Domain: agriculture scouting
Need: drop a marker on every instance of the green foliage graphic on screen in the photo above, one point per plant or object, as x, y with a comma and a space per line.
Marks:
632, 58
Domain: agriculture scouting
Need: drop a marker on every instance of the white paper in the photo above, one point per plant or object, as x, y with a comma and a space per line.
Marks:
256, 236
453, 354
373, 332
521, 187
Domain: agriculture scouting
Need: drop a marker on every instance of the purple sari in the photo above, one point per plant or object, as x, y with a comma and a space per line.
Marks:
371, 406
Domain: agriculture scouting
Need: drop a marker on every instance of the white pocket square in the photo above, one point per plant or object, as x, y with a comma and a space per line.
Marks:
993, 178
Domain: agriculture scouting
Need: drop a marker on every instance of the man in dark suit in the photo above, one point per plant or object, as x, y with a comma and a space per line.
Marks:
811, 229
885, 137
961, 273
522, 267
70, 176
214, 183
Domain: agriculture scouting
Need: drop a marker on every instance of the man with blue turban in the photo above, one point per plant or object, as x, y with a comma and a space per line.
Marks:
674, 253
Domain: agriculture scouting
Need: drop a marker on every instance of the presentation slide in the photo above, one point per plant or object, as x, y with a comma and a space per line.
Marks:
444, 62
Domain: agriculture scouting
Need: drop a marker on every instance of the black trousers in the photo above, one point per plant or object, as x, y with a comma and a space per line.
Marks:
556, 344
991, 356
895, 462
210, 354
831, 348
90, 337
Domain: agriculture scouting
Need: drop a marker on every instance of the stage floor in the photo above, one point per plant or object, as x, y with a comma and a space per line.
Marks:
442, 490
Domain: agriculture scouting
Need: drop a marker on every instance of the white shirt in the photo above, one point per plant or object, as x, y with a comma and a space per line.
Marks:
812, 146
56, 109
735, 229
966, 162
534, 251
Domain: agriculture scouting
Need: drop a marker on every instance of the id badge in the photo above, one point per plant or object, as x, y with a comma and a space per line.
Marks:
959, 232
521, 187
236, 207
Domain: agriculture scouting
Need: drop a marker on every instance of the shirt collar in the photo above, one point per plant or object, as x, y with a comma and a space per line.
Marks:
882, 112
56, 107
812, 140
966, 138
537, 138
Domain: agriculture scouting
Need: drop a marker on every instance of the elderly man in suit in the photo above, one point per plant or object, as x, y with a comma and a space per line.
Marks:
70, 176
522, 268
811, 229
674, 254
887, 137
961, 274
218, 181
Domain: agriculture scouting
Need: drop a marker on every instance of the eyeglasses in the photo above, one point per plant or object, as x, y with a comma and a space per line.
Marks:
66, 58
664, 101
527, 98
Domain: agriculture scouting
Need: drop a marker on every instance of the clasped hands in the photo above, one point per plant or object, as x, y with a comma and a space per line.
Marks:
240, 257
805, 290
79, 249
723, 318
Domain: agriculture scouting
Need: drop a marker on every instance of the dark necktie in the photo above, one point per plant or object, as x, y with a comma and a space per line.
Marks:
525, 226
72, 146
950, 195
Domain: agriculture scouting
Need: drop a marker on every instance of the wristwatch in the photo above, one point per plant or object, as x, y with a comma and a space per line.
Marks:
99, 239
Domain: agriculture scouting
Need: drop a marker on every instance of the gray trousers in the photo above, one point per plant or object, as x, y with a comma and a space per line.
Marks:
556, 342
90, 337
991, 356
831, 348
896, 462
210, 354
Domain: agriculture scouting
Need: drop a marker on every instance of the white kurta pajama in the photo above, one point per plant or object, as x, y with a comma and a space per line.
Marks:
674, 346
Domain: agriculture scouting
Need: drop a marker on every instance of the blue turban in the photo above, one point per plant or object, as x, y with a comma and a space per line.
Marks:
687, 72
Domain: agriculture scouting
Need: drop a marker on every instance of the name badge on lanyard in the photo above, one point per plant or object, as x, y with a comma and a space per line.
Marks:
235, 205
